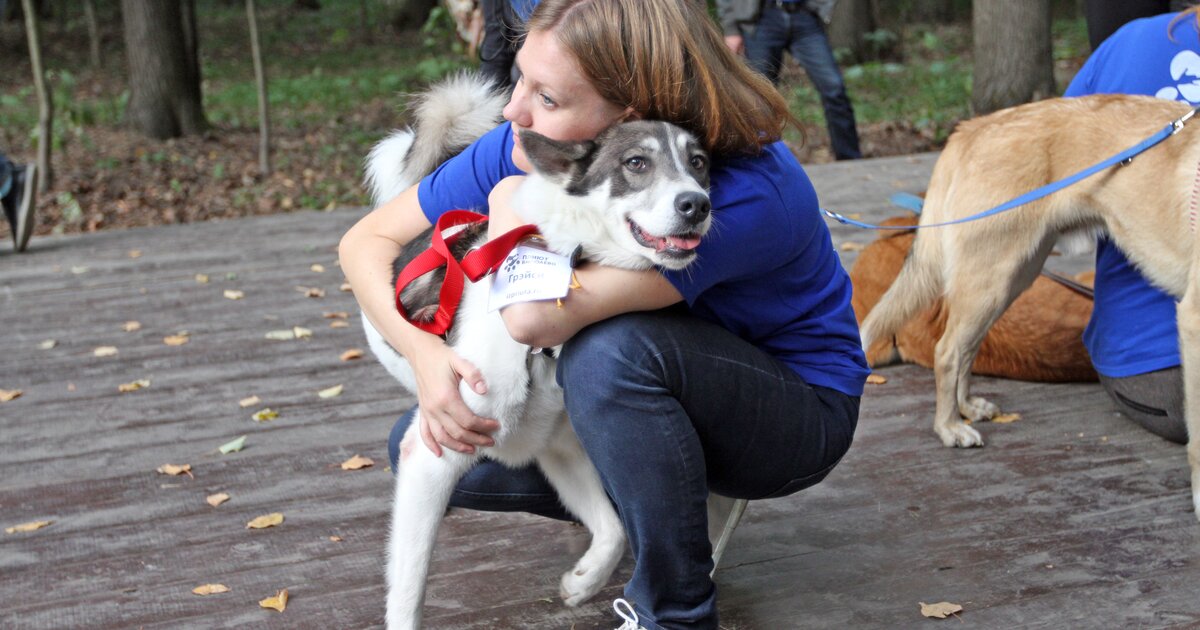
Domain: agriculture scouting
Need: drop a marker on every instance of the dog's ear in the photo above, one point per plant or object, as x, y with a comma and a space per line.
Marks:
558, 161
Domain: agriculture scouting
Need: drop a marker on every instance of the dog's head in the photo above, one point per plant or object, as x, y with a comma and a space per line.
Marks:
636, 195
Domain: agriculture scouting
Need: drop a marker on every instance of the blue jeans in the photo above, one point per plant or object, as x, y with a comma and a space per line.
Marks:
802, 34
6, 167
668, 407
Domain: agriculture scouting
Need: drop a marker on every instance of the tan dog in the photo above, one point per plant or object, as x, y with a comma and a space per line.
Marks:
980, 267
1040, 338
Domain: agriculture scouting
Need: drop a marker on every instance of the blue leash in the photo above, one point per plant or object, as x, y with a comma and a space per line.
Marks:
1123, 157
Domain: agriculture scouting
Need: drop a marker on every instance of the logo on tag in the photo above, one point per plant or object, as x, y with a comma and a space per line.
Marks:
530, 274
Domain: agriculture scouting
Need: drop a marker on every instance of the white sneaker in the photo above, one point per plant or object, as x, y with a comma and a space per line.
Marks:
631, 617
724, 514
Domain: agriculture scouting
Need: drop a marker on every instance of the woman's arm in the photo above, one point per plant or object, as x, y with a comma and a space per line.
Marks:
603, 292
366, 253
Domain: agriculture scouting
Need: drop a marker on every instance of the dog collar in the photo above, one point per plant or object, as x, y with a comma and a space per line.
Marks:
475, 265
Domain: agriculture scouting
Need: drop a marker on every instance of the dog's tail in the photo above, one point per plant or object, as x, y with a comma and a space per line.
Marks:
445, 119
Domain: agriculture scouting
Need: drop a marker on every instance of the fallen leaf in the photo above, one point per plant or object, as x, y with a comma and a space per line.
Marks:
876, 379
318, 268
279, 602
47, 344
249, 401
105, 351
79, 269
1005, 418
27, 527
234, 294
357, 462
216, 499
345, 287
851, 246
133, 386
135, 253
301, 332
176, 340
132, 326
312, 292
281, 335
262, 415
335, 538
338, 323
330, 392
232, 446
176, 469
335, 315
266, 520
10, 394
202, 278
210, 589
352, 354
939, 610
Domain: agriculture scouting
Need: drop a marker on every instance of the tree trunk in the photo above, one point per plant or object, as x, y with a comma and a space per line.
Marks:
851, 20
1014, 63
93, 27
410, 14
164, 68
45, 98
260, 79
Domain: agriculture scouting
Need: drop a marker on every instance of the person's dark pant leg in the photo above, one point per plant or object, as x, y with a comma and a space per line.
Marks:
810, 46
497, 50
491, 486
1153, 400
766, 41
668, 407
1104, 17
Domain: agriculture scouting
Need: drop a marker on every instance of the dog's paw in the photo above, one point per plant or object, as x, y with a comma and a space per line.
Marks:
579, 585
959, 434
978, 409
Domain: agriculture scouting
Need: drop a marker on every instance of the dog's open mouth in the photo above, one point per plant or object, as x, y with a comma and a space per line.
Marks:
673, 246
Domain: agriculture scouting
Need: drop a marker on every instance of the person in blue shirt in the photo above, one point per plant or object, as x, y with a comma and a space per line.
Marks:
1132, 337
740, 376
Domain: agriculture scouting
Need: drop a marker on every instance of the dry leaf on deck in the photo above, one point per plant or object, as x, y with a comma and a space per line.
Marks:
202, 278
10, 394
27, 527
216, 499
318, 268
176, 469
279, 602
339, 323
232, 446
1005, 418
249, 401
352, 354
135, 253
345, 287
335, 315
234, 294
133, 386
47, 344
331, 392
266, 520
176, 340
210, 589
335, 538
105, 351
876, 379
301, 332
939, 610
132, 326
281, 335
262, 415
357, 462
312, 292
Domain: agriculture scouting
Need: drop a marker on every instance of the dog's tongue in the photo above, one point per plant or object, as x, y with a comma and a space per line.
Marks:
679, 242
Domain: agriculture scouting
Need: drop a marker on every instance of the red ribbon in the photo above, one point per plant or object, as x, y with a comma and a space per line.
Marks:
475, 265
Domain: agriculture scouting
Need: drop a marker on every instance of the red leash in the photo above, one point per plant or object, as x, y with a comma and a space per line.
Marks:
475, 265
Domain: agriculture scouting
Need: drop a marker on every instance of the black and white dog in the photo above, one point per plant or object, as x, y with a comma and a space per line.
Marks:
635, 197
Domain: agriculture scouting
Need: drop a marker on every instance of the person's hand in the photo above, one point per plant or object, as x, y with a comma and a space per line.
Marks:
445, 419
736, 43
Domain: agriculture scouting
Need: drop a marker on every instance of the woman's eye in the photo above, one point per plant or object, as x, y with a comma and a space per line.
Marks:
547, 101
636, 164
698, 162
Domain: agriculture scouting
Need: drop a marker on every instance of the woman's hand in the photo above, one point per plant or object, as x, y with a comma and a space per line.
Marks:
445, 419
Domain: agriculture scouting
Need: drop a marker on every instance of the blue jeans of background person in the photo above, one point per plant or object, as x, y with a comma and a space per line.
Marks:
669, 407
802, 34
6, 167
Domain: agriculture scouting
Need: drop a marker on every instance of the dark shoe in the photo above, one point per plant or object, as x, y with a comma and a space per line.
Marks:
20, 204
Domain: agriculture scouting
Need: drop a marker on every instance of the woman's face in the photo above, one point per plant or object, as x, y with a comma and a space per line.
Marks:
553, 98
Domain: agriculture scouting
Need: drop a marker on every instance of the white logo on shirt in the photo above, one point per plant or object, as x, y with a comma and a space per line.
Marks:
1186, 66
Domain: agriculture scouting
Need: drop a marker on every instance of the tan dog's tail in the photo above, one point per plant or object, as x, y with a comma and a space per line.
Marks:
917, 286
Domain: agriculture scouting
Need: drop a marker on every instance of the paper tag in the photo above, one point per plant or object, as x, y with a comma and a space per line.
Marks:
530, 274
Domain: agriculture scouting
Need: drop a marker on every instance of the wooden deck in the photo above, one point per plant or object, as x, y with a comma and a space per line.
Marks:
1070, 517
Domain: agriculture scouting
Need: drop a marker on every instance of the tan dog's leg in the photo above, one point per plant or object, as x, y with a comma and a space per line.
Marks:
1188, 316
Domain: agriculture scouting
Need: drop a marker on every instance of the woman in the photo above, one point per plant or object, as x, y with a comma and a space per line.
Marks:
740, 375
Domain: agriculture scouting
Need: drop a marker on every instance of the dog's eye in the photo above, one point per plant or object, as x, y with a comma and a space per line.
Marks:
699, 162
636, 164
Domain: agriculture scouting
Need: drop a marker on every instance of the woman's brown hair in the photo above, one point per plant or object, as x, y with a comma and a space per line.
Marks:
666, 60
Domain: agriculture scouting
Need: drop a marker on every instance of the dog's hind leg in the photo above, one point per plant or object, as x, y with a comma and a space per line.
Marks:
1188, 317
423, 486
572, 474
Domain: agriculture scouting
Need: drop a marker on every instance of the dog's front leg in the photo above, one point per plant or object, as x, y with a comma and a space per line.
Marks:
1188, 317
423, 486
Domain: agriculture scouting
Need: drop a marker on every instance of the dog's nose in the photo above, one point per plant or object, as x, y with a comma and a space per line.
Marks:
693, 206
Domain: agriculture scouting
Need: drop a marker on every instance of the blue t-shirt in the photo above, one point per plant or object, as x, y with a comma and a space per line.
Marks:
1132, 330
767, 272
